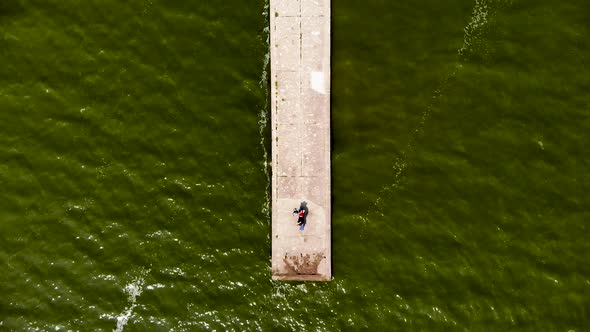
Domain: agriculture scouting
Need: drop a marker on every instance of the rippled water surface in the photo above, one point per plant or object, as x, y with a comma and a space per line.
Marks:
135, 191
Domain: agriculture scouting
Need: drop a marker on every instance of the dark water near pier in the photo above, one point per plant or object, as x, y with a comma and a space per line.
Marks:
135, 192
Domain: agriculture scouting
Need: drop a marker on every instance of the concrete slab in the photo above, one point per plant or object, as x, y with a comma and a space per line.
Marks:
287, 53
313, 153
285, 8
288, 146
300, 120
313, 33
288, 25
288, 97
315, 107
315, 7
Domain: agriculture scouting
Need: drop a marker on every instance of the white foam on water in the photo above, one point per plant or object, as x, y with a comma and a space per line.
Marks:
107, 277
159, 234
155, 286
133, 290
263, 114
174, 272
472, 34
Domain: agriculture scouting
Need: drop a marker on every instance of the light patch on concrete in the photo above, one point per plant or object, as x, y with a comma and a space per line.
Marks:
318, 83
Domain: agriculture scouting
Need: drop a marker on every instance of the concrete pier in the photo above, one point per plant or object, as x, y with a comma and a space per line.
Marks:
300, 120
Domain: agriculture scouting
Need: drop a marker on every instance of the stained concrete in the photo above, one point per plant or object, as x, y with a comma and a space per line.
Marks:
300, 120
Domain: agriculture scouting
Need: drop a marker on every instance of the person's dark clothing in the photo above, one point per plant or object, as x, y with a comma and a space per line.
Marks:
301, 219
302, 214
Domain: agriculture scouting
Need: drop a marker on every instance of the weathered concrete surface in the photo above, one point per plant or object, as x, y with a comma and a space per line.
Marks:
300, 120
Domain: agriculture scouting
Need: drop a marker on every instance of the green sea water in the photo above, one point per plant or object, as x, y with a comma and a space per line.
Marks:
135, 181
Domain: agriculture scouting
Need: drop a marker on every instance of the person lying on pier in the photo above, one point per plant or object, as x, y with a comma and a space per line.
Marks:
301, 214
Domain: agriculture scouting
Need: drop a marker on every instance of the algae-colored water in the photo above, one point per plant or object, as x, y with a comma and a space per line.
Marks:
135, 188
